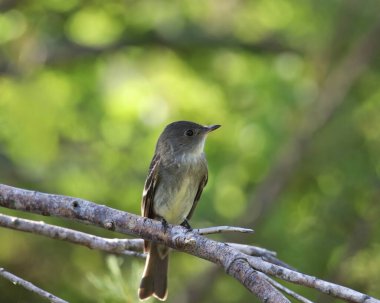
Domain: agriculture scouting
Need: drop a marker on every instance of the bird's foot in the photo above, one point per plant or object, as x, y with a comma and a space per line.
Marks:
165, 224
186, 225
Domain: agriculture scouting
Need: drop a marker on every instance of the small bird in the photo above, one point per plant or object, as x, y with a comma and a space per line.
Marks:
177, 175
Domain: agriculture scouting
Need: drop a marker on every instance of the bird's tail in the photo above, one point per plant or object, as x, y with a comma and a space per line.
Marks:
154, 280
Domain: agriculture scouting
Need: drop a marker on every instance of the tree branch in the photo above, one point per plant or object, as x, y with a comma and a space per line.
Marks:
266, 255
286, 290
244, 268
331, 289
119, 246
176, 237
222, 229
29, 286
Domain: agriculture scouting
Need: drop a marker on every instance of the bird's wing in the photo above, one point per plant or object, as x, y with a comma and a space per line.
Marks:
150, 188
202, 184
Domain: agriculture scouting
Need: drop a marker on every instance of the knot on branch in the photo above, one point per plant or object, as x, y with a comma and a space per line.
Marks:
75, 204
15, 222
181, 240
278, 271
190, 241
110, 225
236, 263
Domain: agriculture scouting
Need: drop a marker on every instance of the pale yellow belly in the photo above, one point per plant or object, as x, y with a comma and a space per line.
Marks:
176, 208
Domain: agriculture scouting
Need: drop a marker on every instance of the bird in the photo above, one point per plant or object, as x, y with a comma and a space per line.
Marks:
177, 175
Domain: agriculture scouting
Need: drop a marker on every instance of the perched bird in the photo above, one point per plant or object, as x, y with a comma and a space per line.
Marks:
177, 175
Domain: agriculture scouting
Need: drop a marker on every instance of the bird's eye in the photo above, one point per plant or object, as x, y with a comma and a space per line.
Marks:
189, 133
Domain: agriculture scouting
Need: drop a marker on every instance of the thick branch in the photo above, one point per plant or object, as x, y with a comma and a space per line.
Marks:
175, 237
29, 286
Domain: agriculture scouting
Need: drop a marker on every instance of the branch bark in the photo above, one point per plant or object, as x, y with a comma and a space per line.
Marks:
119, 246
29, 286
287, 290
246, 269
328, 288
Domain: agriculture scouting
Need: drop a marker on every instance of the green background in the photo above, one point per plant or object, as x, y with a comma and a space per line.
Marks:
86, 87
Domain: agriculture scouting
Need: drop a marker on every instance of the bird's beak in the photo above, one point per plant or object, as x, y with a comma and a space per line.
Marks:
211, 128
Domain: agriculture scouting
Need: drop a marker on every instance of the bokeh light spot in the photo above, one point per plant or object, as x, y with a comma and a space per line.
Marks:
93, 27
229, 201
12, 25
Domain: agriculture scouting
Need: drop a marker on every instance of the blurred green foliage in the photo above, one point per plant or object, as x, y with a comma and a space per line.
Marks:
86, 88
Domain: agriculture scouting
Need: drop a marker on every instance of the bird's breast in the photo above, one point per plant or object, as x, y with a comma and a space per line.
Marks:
175, 194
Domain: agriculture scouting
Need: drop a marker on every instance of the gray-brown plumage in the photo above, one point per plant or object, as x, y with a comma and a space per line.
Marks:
177, 176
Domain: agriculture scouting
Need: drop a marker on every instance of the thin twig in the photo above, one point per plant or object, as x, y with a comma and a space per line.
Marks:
222, 229
286, 290
266, 255
253, 250
29, 286
119, 246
